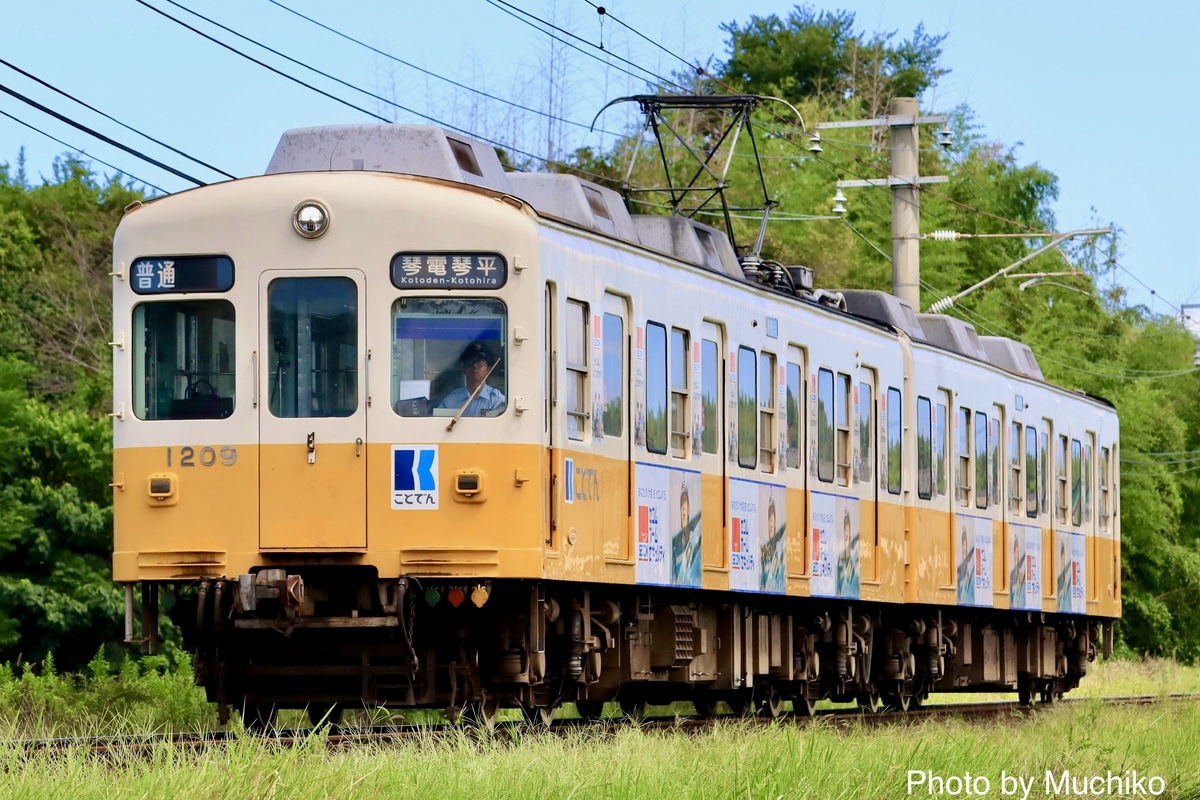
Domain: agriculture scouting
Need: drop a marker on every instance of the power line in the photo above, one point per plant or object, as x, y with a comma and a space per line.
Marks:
432, 74
53, 88
500, 4
80, 150
603, 12
344, 102
98, 135
278, 72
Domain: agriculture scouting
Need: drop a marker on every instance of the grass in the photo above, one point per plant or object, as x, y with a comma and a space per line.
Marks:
733, 759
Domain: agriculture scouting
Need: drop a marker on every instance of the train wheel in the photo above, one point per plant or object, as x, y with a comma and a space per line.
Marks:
481, 714
633, 708
804, 706
330, 714
897, 702
590, 710
258, 717
738, 703
770, 702
705, 709
870, 703
538, 716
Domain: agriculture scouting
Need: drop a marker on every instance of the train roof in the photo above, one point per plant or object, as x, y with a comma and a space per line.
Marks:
430, 151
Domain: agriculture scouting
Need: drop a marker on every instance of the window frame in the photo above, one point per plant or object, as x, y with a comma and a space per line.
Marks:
578, 371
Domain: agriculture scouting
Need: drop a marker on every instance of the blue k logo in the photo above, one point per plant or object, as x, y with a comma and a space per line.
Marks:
414, 477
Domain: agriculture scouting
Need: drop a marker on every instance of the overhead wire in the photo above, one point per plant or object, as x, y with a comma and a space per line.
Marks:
32, 127
110, 118
96, 134
322, 92
433, 74
518, 12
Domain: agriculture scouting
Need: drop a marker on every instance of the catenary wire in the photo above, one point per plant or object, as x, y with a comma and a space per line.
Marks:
84, 152
433, 74
96, 134
130, 128
518, 12
327, 94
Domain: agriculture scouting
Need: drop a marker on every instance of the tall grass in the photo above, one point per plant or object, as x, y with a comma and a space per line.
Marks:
734, 760
140, 697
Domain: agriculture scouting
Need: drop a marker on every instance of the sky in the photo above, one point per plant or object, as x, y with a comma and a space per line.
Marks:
1100, 93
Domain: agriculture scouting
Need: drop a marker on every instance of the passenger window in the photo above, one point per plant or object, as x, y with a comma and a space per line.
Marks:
681, 393
795, 418
924, 448
747, 407
963, 476
895, 441
1076, 482
1087, 478
710, 381
767, 392
656, 388
184, 359
1104, 502
1060, 465
1014, 460
1031, 472
825, 425
940, 425
981, 460
866, 434
841, 402
575, 390
612, 409
448, 355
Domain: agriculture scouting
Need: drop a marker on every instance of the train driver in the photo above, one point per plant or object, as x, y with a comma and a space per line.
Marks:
478, 362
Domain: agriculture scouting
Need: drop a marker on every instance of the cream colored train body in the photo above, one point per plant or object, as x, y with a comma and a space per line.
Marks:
676, 483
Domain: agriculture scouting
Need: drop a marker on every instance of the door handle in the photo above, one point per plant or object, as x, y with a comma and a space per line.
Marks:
312, 447
358, 447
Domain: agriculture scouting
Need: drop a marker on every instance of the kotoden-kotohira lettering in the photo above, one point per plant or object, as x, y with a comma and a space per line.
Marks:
1064, 783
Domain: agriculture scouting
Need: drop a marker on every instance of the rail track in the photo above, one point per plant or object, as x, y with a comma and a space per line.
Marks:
345, 737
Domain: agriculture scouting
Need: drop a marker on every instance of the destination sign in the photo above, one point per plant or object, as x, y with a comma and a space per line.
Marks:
449, 270
181, 274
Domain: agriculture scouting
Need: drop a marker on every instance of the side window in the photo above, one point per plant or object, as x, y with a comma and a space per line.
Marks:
1060, 470
1044, 470
710, 381
1087, 478
1104, 483
841, 402
656, 388
1031, 471
895, 442
995, 433
183, 359
681, 393
981, 460
963, 474
1076, 482
747, 379
866, 433
794, 418
1015, 455
575, 392
612, 411
940, 425
825, 425
924, 448
767, 392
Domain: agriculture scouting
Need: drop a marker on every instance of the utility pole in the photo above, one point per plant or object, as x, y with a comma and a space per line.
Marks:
904, 180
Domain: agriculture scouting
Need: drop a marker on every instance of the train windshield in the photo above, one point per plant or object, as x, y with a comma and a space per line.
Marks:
448, 355
183, 359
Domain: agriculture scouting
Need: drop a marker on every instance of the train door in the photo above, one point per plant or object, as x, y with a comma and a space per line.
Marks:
312, 413
613, 441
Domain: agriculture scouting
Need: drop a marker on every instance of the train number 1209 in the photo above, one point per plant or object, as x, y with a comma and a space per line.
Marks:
204, 456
